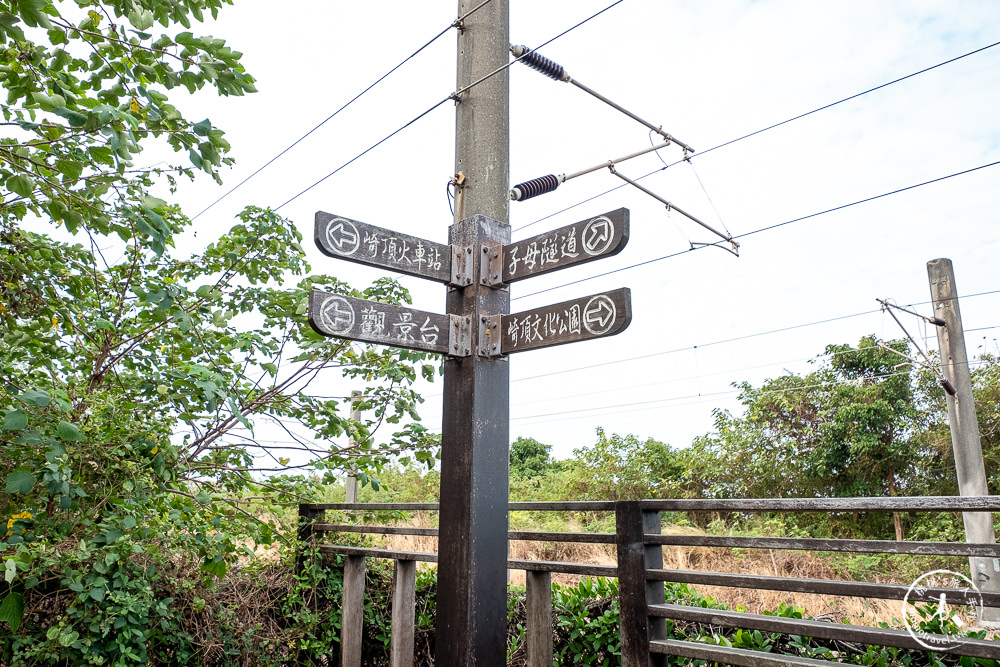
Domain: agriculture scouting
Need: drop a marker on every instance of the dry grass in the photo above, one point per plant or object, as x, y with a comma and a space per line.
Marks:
795, 564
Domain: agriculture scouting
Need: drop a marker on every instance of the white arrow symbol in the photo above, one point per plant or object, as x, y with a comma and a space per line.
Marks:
340, 236
601, 314
597, 236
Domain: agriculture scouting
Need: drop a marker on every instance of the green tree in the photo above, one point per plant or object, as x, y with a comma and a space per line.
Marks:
133, 380
623, 468
529, 458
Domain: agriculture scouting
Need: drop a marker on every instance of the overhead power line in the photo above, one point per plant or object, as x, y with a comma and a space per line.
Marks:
453, 96
769, 127
354, 99
758, 231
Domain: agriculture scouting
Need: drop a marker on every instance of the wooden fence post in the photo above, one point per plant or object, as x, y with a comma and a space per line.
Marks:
539, 618
352, 612
307, 517
635, 594
404, 603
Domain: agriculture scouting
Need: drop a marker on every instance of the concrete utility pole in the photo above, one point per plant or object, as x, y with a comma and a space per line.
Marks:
351, 484
472, 565
964, 426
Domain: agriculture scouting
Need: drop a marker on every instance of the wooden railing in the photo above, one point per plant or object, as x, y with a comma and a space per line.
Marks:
641, 576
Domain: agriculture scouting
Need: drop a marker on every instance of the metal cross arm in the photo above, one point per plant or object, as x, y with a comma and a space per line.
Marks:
557, 72
670, 206
942, 380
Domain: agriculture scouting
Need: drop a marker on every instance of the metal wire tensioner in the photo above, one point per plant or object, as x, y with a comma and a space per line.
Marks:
554, 70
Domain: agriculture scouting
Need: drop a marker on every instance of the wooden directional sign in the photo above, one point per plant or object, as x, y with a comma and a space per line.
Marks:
584, 241
355, 241
339, 316
596, 316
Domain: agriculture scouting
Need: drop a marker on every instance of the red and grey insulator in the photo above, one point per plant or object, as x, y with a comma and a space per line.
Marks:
535, 187
537, 61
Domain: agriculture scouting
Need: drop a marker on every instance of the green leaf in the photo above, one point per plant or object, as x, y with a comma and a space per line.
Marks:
202, 128
14, 420
20, 481
103, 324
203, 498
75, 118
32, 11
48, 102
69, 432
35, 397
141, 20
22, 184
10, 570
12, 609
70, 169
113, 535
97, 594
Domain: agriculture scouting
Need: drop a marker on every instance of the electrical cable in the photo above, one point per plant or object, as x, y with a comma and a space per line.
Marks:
758, 231
452, 96
734, 339
335, 113
770, 127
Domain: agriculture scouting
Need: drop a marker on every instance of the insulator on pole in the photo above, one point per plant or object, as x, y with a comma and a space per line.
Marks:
948, 386
535, 187
538, 62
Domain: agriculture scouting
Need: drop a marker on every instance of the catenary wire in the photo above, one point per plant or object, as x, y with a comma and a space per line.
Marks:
730, 340
347, 104
758, 231
769, 127
450, 97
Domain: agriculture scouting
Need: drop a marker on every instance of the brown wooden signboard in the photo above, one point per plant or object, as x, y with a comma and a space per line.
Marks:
581, 242
339, 316
596, 316
343, 238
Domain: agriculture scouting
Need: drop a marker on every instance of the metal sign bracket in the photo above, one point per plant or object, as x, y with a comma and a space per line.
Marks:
461, 266
460, 336
489, 336
491, 265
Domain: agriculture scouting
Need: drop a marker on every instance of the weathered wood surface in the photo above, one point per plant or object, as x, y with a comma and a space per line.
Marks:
539, 618
388, 554
371, 507
404, 604
584, 569
585, 241
861, 589
359, 242
596, 316
377, 530
578, 538
978, 648
809, 544
896, 504
353, 612
635, 591
307, 519
567, 506
731, 656
337, 316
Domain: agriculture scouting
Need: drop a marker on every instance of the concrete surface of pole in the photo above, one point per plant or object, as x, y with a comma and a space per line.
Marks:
964, 425
472, 552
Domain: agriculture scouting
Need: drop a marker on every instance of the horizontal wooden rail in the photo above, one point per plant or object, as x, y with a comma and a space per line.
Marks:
371, 507
977, 648
731, 656
897, 504
536, 536
860, 589
809, 544
422, 556
560, 506
583, 569
579, 538
378, 530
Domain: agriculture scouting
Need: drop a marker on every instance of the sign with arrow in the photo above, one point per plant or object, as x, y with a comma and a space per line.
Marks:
584, 241
338, 316
362, 243
596, 316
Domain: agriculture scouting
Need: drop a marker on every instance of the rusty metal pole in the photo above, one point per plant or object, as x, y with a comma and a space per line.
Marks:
962, 419
472, 565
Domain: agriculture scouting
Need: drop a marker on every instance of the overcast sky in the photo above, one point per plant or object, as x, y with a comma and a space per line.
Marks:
708, 72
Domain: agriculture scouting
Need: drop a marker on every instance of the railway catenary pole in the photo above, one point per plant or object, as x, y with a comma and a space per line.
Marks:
471, 602
964, 424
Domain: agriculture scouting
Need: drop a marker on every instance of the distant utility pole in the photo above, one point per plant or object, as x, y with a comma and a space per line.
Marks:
964, 426
351, 485
472, 565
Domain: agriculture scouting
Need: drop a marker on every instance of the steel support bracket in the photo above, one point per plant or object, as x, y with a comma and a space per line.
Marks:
491, 265
462, 262
460, 336
489, 336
